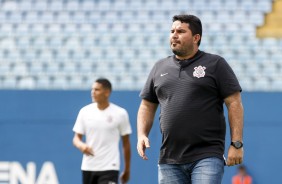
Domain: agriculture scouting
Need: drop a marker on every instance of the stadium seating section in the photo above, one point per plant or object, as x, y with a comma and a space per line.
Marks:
66, 44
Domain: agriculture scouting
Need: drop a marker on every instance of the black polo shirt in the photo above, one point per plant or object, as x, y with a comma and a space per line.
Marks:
191, 95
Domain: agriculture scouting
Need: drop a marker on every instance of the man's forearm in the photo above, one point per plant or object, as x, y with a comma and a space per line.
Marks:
235, 115
127, 156
78, 143
145, 117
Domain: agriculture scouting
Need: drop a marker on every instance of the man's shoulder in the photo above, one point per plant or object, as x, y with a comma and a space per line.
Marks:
212, 56
164, 62
117, 108
168, 58
88, 107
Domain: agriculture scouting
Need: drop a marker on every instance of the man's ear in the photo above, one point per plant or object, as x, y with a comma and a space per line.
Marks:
108, 93
196, 38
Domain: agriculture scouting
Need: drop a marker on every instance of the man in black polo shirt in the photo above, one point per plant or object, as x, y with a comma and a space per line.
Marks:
191, 87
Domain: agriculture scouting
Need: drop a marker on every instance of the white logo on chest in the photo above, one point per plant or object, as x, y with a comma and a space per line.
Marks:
199, 71
109, 119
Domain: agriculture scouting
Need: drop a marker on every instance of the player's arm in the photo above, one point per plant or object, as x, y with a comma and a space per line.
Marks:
145, 119
127, 155
235, 117
79, 144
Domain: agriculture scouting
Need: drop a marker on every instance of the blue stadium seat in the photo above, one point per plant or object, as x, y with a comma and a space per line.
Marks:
87, 5
46, 17
276, 85
22, 30
9, 82
72, 5
26, 83
56, 6
43, 82
62, 17
10, 6
4, 68
262, 83
41, 5
26, 5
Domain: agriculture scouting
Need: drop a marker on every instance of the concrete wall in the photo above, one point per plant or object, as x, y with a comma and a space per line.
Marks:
36, 137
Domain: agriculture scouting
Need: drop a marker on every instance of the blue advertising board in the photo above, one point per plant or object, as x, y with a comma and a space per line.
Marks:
36, 137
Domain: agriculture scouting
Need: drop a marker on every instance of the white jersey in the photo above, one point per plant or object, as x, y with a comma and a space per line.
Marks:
102, 130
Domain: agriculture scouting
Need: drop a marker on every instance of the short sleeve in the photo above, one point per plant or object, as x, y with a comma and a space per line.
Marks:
125, 127
226, 79
148, 91
78, 126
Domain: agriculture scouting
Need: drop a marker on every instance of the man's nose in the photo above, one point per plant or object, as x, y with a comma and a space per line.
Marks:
174, 35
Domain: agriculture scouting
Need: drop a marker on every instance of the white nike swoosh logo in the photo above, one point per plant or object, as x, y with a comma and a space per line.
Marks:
163, 74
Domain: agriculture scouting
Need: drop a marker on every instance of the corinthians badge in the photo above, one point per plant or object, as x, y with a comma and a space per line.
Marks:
199, 71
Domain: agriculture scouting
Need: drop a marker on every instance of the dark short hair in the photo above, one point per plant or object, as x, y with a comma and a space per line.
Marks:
105, 83
241, 167
194, 22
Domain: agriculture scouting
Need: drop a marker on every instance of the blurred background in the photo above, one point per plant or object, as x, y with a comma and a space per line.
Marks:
52, 50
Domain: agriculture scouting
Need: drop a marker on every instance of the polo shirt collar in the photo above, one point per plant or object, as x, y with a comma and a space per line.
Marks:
186, 62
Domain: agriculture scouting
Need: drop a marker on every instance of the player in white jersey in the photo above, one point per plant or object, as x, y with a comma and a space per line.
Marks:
102, 123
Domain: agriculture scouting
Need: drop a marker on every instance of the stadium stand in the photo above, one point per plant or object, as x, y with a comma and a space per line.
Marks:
66, 44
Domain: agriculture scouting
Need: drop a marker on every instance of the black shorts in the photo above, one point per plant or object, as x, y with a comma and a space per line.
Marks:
100, 177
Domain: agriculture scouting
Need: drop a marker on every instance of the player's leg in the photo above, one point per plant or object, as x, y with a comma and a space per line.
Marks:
208, 171
173, 174
108, 177
89, 177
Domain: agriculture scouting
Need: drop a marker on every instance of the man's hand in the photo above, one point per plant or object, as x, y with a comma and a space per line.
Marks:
142, 144
124, 177
82, 146
87, 150
235, 156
